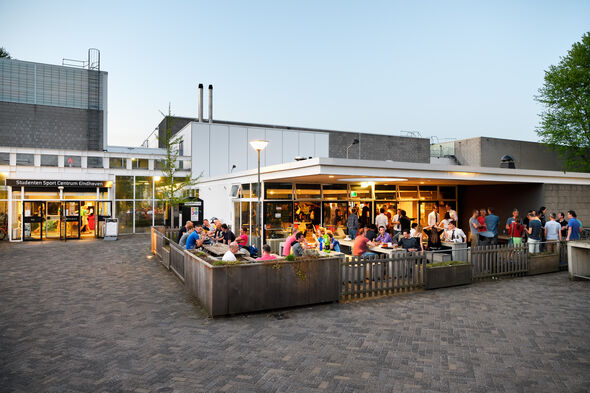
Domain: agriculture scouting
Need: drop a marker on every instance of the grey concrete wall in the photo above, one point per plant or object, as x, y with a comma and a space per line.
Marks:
52, 127
176, 124
487, 152
502, 197
564, 197
379, 147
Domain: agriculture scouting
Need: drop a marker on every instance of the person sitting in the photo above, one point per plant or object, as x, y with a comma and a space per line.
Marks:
444, 223
334, 244
228, 235
361, 245
384, 237
370, 232
183, 230
418, 236
407, 242
217, 232
242, 240
194, 240
206, 226
266, 255
433, 236
454, 234
230, 255
297, 245
189, 229
414, 229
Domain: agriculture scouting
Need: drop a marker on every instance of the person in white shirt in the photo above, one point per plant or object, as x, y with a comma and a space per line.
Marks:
444, 223
454, 234
552, 232
230, 256
381, 220
451, 212
433, 217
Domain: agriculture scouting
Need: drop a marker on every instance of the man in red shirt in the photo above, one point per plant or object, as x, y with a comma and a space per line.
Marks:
361, 245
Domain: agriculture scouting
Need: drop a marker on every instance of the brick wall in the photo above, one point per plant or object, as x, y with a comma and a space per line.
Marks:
52, 127
564, 197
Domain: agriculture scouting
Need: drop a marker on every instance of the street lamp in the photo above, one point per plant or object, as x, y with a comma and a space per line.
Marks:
259, 145
354, 142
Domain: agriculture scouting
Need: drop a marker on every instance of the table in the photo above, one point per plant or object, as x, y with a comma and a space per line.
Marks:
376, 249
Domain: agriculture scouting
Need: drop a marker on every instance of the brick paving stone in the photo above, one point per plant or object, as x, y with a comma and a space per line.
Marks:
95, 316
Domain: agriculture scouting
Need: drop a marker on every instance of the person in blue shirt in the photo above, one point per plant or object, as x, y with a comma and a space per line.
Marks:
492, 221
194, 240
573, 226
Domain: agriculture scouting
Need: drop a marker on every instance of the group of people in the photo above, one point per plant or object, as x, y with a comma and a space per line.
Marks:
323, 240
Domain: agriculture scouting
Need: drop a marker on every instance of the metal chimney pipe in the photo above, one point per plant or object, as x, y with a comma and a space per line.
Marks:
200, 103
210, 103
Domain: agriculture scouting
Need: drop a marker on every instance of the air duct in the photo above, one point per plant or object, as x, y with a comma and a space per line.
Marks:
200, 103
210, 103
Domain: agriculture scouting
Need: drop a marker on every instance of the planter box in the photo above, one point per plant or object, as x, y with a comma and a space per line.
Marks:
447, 276
234, 289
540, 264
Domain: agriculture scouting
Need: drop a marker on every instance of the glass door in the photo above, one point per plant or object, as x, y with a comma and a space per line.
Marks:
53, 220
33, 218
104, 212
71, 219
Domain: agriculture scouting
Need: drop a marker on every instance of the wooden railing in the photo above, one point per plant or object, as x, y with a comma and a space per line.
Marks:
177, 260
381, 275
496, 261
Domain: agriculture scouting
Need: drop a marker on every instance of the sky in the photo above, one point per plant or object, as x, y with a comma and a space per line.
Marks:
449, 69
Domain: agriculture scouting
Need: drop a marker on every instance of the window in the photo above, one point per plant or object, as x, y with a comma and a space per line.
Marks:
363, 191
335, 215
336, 191
447, 192
23, 159
117, 162
139, 163
125, 216
428, 193
278, 218
307, 213
308, 191
143, 187
159, 164
72, 161
385, 192
278, 191
143, 216
124, 187
48, 160
408, 192
94, 162
4, 158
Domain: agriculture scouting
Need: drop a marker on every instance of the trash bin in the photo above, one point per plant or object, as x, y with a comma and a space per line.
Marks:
111, 228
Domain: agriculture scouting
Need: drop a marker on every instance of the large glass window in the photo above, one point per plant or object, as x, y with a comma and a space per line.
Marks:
72, 161
278, 191
159, 213
447, 192
428, 193
361, 191
336, 191
390, 210
4, 158
143, 187
125, 216
307, 214
278, 218
32, 193
94, 162
124, 187
25, 159
385, 192
364, 212
308, 191
143, 216
140, 163
335, 215
48, 160
408, 192
246, 191
117, 162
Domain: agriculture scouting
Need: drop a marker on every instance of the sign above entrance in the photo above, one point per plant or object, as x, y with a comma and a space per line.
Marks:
57, 183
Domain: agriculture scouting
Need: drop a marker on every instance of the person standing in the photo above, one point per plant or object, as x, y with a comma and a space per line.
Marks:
516, 230
404, 222
491, 222
482, 220
510, 221
433, 217
552, 233
396, 225
563, 222
573, 226
534, 231
381, 220
452, 213
474, 228
353, 223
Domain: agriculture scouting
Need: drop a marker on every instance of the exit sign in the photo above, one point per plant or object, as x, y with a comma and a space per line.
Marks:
353, 194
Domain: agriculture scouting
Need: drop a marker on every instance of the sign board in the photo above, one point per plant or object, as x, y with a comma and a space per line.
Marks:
353, 194
57, 183
194, 214
111, 229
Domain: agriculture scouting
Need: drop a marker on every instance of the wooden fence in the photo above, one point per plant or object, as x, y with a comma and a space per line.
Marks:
177, 260
496, 261
381, 275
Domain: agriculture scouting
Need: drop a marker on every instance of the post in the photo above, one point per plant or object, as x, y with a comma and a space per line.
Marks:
259, 212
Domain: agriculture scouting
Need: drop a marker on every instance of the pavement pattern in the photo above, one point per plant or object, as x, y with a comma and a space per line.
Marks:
95, 316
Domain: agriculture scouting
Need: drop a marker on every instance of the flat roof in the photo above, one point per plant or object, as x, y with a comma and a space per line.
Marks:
341, 170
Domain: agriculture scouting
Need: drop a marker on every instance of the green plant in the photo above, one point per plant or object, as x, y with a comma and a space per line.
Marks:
290, 258
447, 263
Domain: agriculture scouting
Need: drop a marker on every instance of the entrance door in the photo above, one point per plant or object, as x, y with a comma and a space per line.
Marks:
71, 219
104, 212
33, 218
88, 215
53, 220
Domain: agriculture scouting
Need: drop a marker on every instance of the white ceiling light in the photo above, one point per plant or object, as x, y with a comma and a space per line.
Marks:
373, 179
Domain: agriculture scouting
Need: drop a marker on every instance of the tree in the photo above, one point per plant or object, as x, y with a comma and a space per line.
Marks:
173, 187
4, 53
565, 122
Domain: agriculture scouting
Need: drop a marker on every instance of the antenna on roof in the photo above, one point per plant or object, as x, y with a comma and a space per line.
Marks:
415, 134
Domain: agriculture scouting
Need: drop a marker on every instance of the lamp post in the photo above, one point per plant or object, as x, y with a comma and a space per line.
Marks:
354, 142
259, 145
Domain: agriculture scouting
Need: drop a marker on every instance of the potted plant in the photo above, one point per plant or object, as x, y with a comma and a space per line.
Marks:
447, 274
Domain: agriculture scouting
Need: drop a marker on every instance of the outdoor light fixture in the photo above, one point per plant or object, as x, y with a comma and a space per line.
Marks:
259, 145
157, 178
373, 179
354, 142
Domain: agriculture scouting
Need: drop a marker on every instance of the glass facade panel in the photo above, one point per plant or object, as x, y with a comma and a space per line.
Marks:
408, 192
48, 160
125, 215
40, 194
364, 212
278, 219
428, 193
72, 161
117, 162
357, 191
25, 159
159, 164
94, 162
335, 191
385, 192
447, 192
335, 215
17, 224
80, 195
159, 213
139, 163
307, 213
246, 192
4, 158
124, 187
308, 191
278, 191
390, 210
143, 187
143, 216
3, 192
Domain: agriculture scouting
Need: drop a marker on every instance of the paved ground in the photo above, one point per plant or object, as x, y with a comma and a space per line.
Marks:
93, 316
